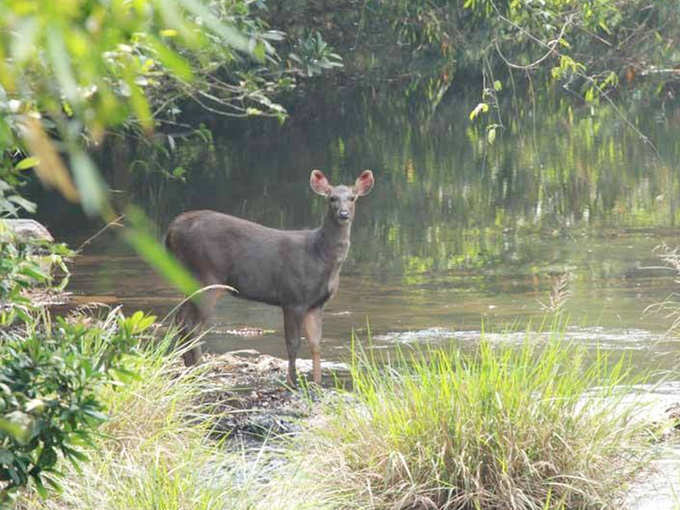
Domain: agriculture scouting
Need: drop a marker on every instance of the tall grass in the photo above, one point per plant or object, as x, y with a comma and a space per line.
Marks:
154, 452
536, 426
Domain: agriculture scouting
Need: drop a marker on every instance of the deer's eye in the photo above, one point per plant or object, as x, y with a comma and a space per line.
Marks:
334, 199
353, 198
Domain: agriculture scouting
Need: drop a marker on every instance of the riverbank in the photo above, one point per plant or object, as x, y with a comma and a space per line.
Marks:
445, 430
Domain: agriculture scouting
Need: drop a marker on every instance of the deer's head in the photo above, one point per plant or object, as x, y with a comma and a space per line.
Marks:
341, 198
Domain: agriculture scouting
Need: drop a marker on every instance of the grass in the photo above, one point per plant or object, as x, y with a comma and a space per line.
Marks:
155, 451
534, 426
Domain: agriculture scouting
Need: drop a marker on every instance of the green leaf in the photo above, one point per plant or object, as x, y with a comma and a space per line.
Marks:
17, 425
88, 181
22, 202
172, 60
27, 163
42, 491
230, 34
61, 63
491, 135
156, 255
259, 51
140, 105
481, 107
33, 273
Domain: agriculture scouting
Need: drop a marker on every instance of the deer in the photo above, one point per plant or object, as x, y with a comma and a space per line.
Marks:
297, 270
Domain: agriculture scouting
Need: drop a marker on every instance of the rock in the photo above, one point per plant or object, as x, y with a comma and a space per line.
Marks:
26, 230
673, 414
249, 388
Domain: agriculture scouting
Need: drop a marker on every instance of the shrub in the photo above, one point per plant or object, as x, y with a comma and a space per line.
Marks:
26, 267
156, 450
49, 378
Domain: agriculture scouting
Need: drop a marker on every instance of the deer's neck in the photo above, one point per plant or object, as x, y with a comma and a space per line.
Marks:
332, 241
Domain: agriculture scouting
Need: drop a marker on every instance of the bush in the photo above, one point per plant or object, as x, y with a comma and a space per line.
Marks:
49, 378
156, 451
536, 426
25, 268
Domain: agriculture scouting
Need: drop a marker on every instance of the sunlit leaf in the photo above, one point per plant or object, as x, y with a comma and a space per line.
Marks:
26, 163
90, 184
61, 63
491, 135
480, 108
140, 105
230, 34
18, 425
172, 60
155, 254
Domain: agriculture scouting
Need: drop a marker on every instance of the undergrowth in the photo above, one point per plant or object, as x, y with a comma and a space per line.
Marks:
154, 451
541, 425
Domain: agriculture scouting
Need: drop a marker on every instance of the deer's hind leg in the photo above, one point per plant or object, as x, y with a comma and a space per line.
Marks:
189, 318
192, 315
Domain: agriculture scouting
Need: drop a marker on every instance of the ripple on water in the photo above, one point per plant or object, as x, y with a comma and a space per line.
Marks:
608, 338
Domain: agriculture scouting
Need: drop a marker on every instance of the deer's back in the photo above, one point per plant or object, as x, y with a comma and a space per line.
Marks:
264, 264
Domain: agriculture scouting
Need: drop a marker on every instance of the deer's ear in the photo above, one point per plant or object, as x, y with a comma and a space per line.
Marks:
364, 183
319, 183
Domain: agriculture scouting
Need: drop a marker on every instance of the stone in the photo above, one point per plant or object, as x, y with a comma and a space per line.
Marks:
26, 230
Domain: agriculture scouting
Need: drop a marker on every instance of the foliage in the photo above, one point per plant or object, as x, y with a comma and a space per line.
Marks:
421, 49
155, 451
83, 67
502, 427
27, 267
49, 378
71, 72
314, 55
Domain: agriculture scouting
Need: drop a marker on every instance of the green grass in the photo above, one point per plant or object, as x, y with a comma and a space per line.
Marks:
530, 426
534, 426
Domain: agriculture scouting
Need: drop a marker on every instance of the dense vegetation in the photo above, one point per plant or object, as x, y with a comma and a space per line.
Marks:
421, 50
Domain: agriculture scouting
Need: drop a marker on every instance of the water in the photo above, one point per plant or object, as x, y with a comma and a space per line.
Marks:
458, 235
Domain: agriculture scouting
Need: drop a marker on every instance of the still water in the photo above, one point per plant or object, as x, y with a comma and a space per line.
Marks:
458, 235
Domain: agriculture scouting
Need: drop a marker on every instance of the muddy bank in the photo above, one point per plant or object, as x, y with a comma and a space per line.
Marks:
254, 402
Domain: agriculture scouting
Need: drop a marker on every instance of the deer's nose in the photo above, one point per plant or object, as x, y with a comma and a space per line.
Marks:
343, 214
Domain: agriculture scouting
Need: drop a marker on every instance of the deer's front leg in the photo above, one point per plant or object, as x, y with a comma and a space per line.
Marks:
311, 325
292, 325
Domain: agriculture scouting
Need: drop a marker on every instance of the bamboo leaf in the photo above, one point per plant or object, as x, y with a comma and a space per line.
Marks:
155, 255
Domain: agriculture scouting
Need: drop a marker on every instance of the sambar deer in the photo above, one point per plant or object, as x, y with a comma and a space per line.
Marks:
297, 270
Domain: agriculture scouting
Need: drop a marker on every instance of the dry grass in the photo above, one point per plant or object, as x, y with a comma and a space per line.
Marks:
559, 293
